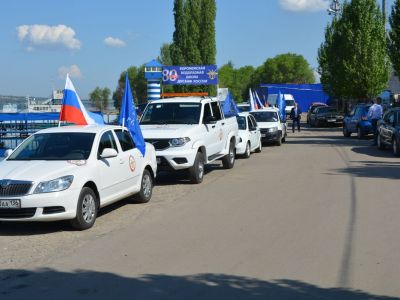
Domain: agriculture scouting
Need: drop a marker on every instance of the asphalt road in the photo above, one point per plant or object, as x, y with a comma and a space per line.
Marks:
317, 218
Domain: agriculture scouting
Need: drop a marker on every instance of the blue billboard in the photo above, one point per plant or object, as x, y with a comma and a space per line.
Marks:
190, 75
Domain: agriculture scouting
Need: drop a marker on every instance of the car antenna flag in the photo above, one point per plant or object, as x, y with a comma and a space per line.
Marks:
72, 109
281, 106
128, 118
253, 105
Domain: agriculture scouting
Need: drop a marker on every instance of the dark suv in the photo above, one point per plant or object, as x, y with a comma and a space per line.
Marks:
357, 121
389, 131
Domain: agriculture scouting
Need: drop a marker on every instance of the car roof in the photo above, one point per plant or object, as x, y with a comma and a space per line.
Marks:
181, 99
265, 109
244, 114
78, 128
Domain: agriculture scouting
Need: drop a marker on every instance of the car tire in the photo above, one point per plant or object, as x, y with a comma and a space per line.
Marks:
379, 143
146, 188
279, 141
396, 147
196, 172
360, 134
346, 132
247, 152
259, 148
228, 161
86, 211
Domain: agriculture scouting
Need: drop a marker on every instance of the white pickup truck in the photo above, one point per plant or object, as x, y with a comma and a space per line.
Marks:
189, 132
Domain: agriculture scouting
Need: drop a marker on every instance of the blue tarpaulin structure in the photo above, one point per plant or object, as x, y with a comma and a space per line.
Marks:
304, 94
29, 116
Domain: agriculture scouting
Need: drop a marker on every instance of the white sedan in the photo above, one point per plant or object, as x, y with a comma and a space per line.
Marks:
249, 133
70, 172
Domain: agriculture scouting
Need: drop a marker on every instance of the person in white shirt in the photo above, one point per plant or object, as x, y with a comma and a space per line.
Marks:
375, 113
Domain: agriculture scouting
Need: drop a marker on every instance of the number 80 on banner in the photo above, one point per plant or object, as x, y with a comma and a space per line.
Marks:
169, 75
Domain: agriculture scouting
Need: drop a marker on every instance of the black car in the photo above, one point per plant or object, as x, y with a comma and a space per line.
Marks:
326, 116
312, 108
389, 131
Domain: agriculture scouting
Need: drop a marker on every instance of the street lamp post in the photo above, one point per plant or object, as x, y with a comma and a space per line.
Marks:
334, 8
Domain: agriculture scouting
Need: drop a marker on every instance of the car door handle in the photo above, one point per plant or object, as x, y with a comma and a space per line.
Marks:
213, 126
121, 161
223, 123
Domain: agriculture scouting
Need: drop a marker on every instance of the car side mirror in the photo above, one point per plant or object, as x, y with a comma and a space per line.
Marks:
108, 153
7, 153
210, 120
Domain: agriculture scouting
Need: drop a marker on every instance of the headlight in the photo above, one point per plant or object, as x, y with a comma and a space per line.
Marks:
55, 185
179, 142
272, 129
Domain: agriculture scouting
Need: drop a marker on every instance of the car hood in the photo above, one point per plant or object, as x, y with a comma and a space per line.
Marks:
330, 114
35, 170
267, 124
168, 131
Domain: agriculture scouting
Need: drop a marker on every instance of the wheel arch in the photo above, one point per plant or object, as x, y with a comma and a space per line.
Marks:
93, 186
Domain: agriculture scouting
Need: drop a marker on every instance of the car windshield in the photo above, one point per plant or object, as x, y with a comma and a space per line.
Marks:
241, 122
289, 102
314, 107
55, 146
171, 113
324, 110
265, 116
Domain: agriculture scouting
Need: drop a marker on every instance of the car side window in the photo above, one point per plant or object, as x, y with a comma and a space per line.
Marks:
207, 111
358, 111
107, 141
391, 118
125, 139
352, 112
216, 110
249, 121
253, 121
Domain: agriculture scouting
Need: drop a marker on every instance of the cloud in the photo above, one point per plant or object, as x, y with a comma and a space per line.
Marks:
304, 5
114, 42
73, 71
48, 37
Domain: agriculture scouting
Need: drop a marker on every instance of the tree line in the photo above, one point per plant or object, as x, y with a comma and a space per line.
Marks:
358, 54
193, 43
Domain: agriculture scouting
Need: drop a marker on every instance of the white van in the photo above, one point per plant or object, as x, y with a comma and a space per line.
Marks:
289, 99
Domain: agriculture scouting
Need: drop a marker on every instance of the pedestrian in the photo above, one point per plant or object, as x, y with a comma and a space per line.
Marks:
295, 116
375, 114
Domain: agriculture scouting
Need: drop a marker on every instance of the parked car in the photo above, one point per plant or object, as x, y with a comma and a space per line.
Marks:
312, 108
249, 135
189, 132
289, 101
326, 116
70, 172
273, 129
243, 107
389, 131
357, 121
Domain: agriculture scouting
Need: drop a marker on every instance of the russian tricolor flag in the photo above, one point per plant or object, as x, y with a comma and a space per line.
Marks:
73, 111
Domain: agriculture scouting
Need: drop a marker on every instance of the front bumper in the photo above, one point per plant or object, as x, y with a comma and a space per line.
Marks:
42, 207
175, 158
269, 137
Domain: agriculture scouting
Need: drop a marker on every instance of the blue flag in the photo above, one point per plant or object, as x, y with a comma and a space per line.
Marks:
128, 118
230, 109
281, 105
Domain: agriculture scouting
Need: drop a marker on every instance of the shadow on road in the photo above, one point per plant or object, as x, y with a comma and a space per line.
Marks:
52, 284
373, 169
182, 176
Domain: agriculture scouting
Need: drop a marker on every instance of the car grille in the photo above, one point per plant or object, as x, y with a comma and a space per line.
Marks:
159, 144
264, 130
14, 188
17, 213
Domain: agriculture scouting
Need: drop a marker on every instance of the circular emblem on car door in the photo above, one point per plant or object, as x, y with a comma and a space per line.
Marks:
132, 163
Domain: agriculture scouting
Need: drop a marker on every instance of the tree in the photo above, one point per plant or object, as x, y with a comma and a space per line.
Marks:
165, 55
100, 98
206, 43
179, 40
394, 37
286, 68
353, 61
138, 86
237, 80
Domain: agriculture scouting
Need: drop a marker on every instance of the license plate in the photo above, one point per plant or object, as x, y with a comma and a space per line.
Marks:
158, 160
263, 135
4, 204
332, 120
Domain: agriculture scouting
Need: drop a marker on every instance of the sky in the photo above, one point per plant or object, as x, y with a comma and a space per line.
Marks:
95, 40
